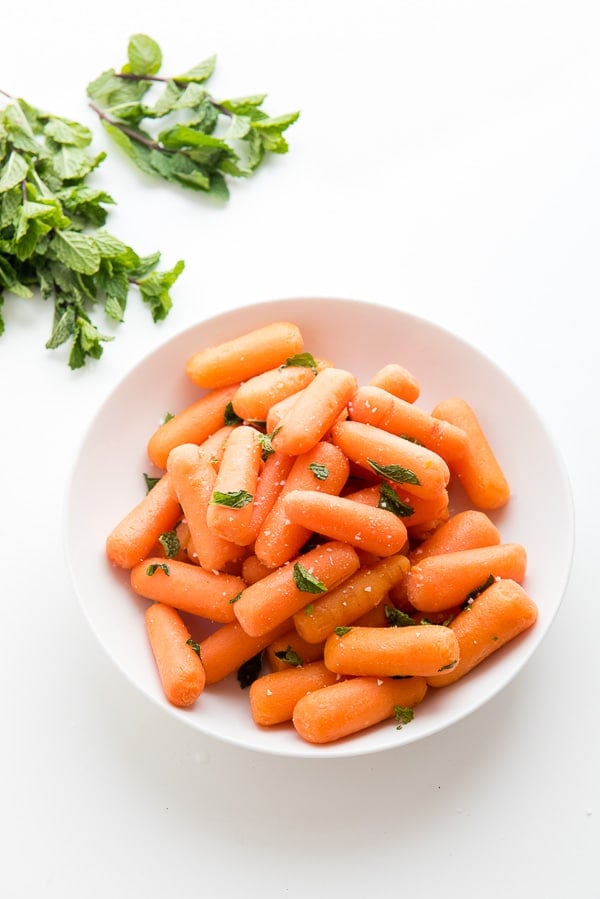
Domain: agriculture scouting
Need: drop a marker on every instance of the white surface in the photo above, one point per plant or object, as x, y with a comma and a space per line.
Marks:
107, 478
446, 162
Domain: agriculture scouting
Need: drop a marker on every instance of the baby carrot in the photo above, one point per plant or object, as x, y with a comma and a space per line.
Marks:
192, 425
477, 469
353, 705
278, 410
323, 468
179, 666
411, 508
137, 533
271, 481
392, 651
418, 469
354, 598
244, 356
446, 580
254, 398
230, 646
290, 649
229, 511
187, 587
378, 407
253, 569
264, 605
315, 411
497, 616
464, 530
273, 696
397, 380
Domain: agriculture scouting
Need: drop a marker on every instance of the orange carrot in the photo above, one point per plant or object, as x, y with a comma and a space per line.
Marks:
273, 696
187, 587
392, 651
397, 380
193, 478
254, 397
244, 356
227, 648
353, 705
352, 599
290, 649
137, 533
271, 481
192, 425
497, 616
179, 666
477, 469
378, 407
419, 470
264, 605
253, 569
229, 512
376, 617
315, 411
443, 581
412, 509
278, 410
464, 530
323, 468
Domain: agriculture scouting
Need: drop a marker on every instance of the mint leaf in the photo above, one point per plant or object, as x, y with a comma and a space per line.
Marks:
233, 500
395, 473
144, 55
306, 581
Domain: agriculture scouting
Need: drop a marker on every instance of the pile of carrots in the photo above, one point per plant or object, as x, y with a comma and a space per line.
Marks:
307, 518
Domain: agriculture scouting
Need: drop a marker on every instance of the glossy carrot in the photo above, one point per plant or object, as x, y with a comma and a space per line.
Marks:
315, 411
271, 481
254, 570
291, 648
343, 605
415, 509
378, 407
498, 615
446, 580
264, 605
137, 533
323, 468
179, 666
227, 648
353, 705
244, 356
273, 696
229, 511
278, 410
419, 470
477, 469
187, 587
254, 398
397, 380
392, 651
192, 425
464, 530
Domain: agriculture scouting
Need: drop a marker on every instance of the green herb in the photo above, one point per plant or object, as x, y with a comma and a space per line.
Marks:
151, 569
320, 471
395, 473
396, 617
341, 631
150, 482
290, 657
234, 499
266, 443
195, 646
168, 417
236, 597
306, 581
170, 543
230, 416
249, 671
301, 360
448, 666
389, 499
309, 609
52, 238
402, 716
469, 599
494, 638
186, 149
411, 439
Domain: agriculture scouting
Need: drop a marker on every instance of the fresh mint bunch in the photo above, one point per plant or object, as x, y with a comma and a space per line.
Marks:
52, 238
206, 140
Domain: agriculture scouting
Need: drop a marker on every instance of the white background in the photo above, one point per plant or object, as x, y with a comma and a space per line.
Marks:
446, 162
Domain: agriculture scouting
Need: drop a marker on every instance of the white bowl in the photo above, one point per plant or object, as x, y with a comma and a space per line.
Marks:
108, 480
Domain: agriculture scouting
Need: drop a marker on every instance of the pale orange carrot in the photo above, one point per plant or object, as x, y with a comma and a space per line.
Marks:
323, 468
229, 512
397, 380
179, 666
227, 648
290, 649
378, 407
353, 705
315, 411
187, 587
392, 651
477, 469
343, 605
273, 696
413, 510
193, 476
271, 481
497, 616
253, 569
254, 398
193, 424
464, 530
449, 579
278, 410
137, 533
419, 470
244, 356
264, 605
